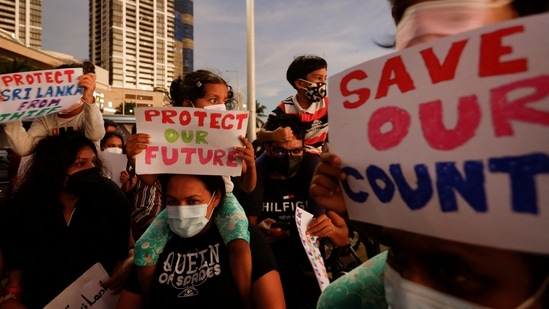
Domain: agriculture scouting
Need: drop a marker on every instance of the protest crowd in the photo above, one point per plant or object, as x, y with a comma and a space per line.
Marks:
188, 212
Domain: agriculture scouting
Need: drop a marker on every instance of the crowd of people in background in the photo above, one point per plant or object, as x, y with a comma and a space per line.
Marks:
64, 214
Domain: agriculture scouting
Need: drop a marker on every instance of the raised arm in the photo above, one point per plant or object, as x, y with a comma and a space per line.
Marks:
280, 135
248, 177
21, 141
93, 120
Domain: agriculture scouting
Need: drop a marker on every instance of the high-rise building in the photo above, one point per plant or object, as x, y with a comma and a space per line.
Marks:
144, 44
21, 19
184, 37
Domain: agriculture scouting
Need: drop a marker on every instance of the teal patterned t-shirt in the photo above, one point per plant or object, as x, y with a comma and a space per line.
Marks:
362, 287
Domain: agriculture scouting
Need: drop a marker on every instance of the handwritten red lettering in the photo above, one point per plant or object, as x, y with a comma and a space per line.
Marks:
491, 50
204, 158
219, 154
49, 78
400, 124
6, 80
436, 134
447, 70
185, 117
362, 93
504, 111
214, 120
169, 160
231, 158
394, 73
188, 152
167, 115
224, 124
150, 114
18, 79
201, 117
38, 77
150, 153
240, 118
190, 156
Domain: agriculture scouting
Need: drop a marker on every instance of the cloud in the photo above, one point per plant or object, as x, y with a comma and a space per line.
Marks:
344, 32
65, 27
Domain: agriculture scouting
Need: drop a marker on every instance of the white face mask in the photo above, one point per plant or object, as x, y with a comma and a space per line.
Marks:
430, 20
187, 221
113, 150
402, 293
218, 107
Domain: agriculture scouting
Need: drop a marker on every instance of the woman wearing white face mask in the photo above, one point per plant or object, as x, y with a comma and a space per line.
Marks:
425, 272
204, 89
193, 268
112, 142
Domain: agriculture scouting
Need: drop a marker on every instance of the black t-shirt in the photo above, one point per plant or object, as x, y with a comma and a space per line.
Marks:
279, 203
195, 273
280, 199
51, 253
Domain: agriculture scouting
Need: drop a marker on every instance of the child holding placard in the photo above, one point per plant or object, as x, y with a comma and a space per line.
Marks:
203, 89
83, 116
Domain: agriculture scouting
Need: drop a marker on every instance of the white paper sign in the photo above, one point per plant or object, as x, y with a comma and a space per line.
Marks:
451, 138
302, 220
86, 292
190, 140
115, 163
38, 93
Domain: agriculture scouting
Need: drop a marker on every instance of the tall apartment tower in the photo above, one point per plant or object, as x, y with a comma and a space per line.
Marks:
22, 20
142, 43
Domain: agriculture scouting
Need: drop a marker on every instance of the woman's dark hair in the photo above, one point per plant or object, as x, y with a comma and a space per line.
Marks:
46, 171
213, 183
303, 65
191, 86
287, 120
109, 135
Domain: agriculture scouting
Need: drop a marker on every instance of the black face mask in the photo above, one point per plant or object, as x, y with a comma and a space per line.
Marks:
286, 165
84, 182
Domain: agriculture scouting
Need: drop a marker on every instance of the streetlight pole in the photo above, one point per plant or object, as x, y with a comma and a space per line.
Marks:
124, 99
237, 87
250, 52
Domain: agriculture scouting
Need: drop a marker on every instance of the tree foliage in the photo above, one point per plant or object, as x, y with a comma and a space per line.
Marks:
15, 65
129, 108
260, 114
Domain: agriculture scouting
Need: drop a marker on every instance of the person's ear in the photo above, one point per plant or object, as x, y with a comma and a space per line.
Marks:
217, 199
299, 84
